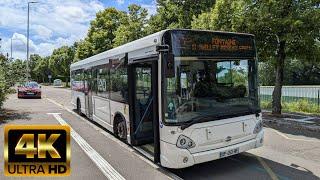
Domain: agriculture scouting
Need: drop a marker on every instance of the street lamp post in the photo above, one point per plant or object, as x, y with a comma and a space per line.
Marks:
28, 73
11, 50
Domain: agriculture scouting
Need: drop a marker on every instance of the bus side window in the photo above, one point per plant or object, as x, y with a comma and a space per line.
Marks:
119, 80
102, 81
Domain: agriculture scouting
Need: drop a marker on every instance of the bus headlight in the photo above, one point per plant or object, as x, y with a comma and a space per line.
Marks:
184, 142
258, 127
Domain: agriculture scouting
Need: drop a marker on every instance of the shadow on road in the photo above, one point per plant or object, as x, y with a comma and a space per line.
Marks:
243, 166
7, 115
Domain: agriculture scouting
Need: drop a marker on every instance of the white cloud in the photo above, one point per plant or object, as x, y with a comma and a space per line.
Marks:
71, 13
19, 42
97, 6
120, 1
19, 45
42, 31
52, 23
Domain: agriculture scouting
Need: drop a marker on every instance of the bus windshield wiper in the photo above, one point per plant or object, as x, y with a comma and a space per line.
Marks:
196, 120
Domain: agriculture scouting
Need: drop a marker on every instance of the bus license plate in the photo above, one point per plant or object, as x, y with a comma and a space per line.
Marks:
229, 152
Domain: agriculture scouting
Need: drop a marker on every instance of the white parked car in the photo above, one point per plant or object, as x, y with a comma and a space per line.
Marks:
57, 82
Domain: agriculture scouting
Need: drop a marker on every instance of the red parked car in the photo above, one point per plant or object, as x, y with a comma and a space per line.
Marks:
29, 90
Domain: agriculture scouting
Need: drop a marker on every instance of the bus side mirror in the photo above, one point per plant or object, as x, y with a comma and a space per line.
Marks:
169, 68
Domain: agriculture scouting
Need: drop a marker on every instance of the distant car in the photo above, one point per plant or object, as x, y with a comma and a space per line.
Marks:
29, 90
57, 82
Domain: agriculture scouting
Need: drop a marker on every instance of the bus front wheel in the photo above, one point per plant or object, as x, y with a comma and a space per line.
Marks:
120, 128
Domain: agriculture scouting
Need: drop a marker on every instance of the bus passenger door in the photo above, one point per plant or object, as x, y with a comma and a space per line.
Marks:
142, 101
88, 93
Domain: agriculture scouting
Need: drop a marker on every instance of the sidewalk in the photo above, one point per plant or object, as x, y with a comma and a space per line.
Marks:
300, 123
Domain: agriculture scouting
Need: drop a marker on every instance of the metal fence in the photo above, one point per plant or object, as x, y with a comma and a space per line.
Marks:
293, 93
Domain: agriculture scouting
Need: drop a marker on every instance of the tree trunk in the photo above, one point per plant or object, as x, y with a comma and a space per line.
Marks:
277, 91
67, 81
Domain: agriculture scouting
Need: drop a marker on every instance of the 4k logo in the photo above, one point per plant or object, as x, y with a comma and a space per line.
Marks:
37, 150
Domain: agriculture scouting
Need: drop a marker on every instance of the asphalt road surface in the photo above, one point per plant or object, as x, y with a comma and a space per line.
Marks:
96, 154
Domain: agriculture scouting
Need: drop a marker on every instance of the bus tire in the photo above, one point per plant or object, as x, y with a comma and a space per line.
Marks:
78, 107
120, 128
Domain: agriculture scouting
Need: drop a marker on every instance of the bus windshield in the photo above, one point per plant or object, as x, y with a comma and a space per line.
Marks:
210, 88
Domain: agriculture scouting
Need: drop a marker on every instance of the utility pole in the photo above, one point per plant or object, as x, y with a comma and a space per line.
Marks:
11, 50
28, 71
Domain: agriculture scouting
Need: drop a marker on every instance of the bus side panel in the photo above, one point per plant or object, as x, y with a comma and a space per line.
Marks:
101, 108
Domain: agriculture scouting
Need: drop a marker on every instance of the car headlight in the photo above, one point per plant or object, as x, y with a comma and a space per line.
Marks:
184, 142
258, 127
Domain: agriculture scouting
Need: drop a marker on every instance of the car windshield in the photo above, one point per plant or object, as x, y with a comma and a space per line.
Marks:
31, 84
208, 88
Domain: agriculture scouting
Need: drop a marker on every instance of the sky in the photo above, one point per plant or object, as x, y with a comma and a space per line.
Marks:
53, 23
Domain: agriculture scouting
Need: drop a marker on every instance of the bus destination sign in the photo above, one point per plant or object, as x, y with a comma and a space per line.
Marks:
212, 44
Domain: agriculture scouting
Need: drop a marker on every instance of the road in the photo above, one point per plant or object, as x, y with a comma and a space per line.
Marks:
285, 155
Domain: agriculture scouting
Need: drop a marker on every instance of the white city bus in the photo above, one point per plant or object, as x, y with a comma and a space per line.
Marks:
183, 96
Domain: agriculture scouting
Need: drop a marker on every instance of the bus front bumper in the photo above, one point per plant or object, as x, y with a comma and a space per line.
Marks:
173, 157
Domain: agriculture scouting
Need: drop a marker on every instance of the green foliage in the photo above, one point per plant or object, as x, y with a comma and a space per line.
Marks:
102, 29
19, 70
296, 23
297, 72
302, 105
84, 50
34, 60
131, 27
60, 61
5, 78
176, 14
283, 29
226, 15
42, 69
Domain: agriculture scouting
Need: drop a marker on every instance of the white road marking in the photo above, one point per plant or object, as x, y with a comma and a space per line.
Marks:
101, 163
125, 146
272, 175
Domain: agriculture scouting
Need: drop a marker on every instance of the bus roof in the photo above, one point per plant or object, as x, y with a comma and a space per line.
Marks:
145, 42
134, 49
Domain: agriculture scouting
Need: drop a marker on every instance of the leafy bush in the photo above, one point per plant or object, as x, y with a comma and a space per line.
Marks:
266, 104
302, 105
6, 80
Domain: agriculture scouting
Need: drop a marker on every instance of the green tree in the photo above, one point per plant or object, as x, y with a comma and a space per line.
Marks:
283, 29
42, 69
226, 15
132, 25
34, 60
102, 29
84, 50
5, 79
176, 14
19, 70
60, 61
101, 33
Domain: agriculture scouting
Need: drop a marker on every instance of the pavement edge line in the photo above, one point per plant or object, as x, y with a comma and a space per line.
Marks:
102, 164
